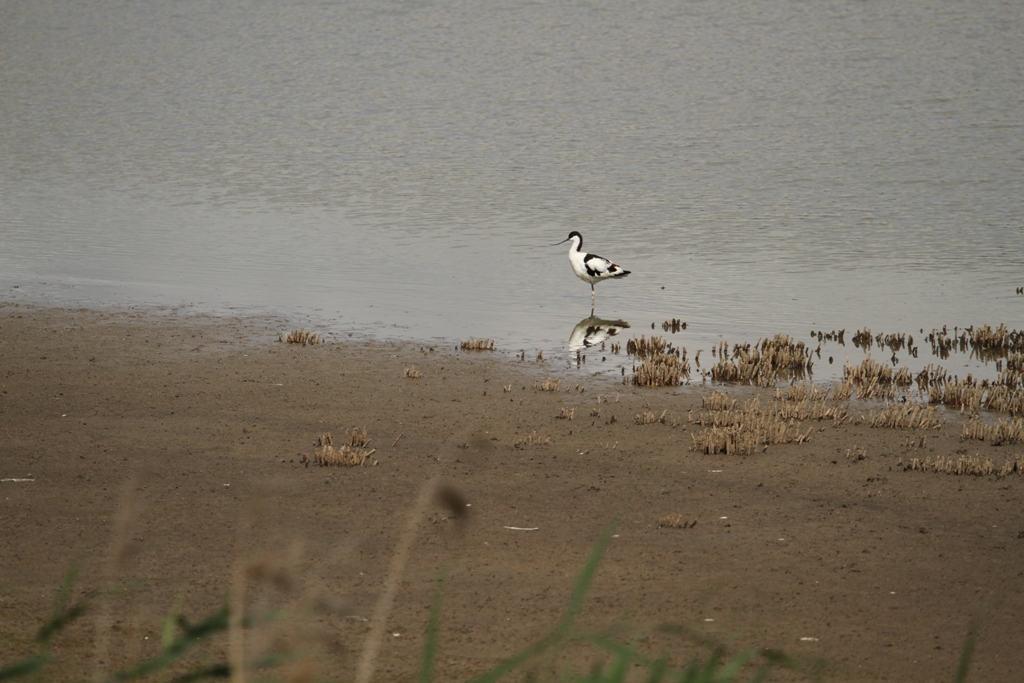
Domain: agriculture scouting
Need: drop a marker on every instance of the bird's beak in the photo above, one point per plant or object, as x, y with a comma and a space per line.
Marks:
562, 242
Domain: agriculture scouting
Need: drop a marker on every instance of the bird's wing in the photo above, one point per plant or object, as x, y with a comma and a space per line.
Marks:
598, 266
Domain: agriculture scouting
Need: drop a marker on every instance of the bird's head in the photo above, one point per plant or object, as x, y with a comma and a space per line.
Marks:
573, 234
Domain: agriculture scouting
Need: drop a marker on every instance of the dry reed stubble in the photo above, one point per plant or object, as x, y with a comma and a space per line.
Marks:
804, 391
661, 365
748, 428
661, 370
352, 453
873, 379
1005, 394
648, 348
973, 465
675, 522
963, 395
908, 415
649, 418
301, 336
811, 409
764, 363
548, 384
719, 400
1003, 432
1006, 399
477, 345
533, 439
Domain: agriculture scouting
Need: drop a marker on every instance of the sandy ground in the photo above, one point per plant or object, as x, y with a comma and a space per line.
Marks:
165, 452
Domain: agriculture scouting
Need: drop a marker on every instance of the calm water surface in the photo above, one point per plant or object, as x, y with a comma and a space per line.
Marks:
400, 170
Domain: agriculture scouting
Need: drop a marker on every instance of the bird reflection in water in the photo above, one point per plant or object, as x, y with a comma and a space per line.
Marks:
593, 331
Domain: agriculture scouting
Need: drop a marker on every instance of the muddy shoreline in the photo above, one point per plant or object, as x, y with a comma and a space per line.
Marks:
166, 451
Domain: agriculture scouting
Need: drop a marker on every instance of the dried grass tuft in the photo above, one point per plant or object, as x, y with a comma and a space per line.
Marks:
718, 400
352, 453
1006, 399
805, 391
1005, 394
983, 342
301, 336
873, 379
648, 348
908, 415
841, 391
413, 373
477, 345
748, 428
532, 440
661, 370
745, 430
649, 418
764, 363
811, 409
894, 342
1003, 432
661, 365
973, 465
548, 384
746, 439
675, 522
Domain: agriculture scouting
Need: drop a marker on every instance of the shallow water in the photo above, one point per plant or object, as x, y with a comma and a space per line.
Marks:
402, 169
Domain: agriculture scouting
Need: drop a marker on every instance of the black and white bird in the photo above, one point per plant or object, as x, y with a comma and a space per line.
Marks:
590, 267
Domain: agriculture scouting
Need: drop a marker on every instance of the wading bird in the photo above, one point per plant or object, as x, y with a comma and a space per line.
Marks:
590, 267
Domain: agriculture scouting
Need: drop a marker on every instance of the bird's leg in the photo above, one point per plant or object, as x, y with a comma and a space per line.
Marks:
592, 298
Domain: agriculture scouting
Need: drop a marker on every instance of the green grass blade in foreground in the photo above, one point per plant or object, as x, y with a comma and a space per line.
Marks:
965, 656
25, 667
576, 601
579, 593
433, 627
762, 674
218, 621
619, 667
222, 670
694, 674
659, 667
62, 614
730, 671
716, 669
